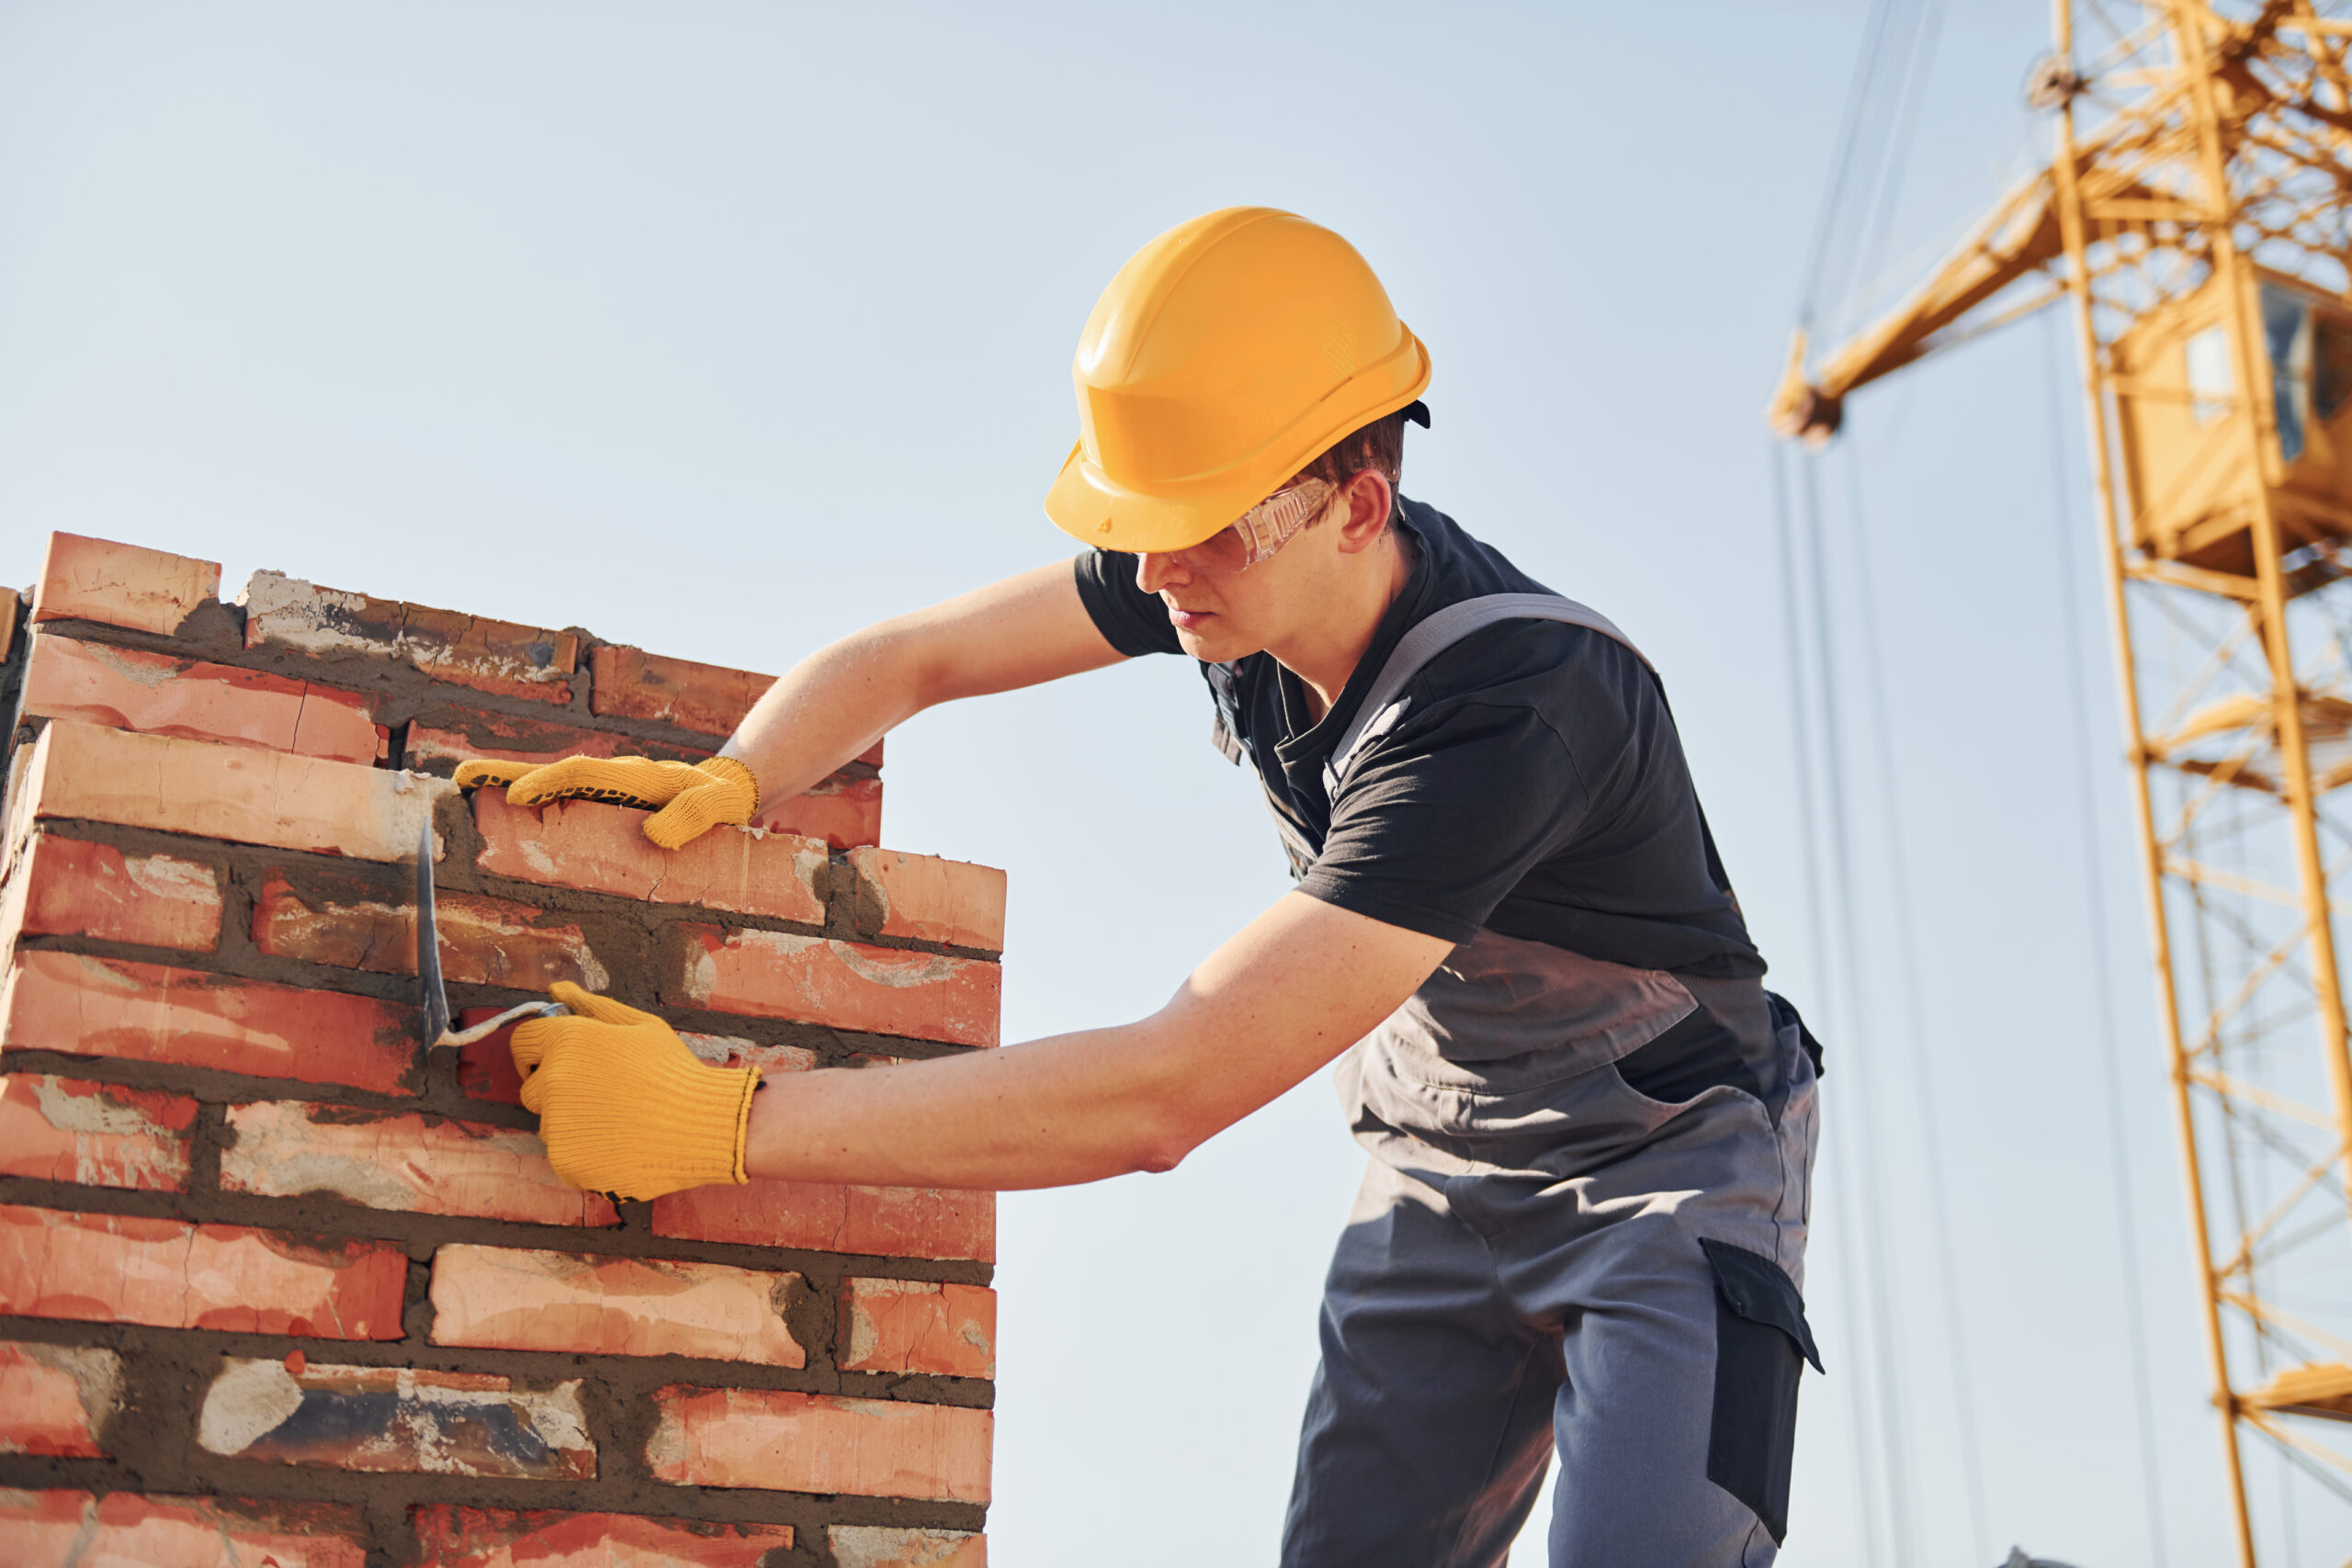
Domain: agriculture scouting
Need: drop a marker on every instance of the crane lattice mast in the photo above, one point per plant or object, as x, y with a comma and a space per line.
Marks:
2196, 212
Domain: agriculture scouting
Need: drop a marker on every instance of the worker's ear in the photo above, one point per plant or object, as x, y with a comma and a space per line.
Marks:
1370, 498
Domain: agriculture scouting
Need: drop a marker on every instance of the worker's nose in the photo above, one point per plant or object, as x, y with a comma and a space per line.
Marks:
1154, 572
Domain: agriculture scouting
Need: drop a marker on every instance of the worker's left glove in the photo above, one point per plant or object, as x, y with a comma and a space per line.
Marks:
625, 1109
688, 799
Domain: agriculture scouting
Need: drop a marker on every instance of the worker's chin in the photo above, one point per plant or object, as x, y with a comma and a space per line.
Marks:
1212, 641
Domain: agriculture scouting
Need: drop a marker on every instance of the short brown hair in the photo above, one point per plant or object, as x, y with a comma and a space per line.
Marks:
1379, 445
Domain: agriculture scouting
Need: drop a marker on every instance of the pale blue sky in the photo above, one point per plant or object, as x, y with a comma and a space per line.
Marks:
725, 328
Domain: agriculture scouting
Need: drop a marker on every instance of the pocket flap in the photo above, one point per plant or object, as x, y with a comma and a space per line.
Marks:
1757, 1289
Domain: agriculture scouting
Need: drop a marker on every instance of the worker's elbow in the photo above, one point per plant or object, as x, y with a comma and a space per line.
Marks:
1157, 1158
1163, 1141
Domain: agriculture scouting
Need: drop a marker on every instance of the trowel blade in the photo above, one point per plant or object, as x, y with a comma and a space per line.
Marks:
430, 997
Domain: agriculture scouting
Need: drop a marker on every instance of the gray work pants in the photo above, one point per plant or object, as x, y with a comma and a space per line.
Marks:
1543, 1258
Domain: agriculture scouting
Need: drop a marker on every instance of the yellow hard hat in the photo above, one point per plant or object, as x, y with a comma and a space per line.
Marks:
1228, 354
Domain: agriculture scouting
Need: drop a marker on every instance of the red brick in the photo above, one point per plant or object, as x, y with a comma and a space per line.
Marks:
418, 1164
929, 899
503, 738
121, 585
887, 1546
603, 849
484, 942
843, 810
509, 1300
55, 1398
117, 1269
809, 1443
229, 792
486, 1067
147, 1012
96, 1135
813, 979
396, 1418
75, 887
629, 682
886, 1221
917, 1325
495, 1537
9, 604
154, 694
123, 1529
464, 650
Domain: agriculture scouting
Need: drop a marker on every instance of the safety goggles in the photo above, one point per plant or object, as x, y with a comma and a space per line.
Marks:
1263, 529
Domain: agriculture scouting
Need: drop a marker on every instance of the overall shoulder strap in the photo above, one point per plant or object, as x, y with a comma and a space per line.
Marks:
1383, 706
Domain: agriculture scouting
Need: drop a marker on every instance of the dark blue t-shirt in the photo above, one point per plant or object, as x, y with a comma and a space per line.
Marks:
1535, 785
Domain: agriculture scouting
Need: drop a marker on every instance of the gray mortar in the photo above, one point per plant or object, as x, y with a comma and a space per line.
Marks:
12, 675
167, 1371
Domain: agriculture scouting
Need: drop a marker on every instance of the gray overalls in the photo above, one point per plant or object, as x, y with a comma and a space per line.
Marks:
1541, 1255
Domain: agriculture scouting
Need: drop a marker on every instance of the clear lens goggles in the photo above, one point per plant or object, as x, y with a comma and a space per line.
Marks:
1264, 528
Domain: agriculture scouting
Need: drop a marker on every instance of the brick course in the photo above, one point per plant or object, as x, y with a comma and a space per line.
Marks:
802, 1442
98, 1135
884, 1546
491, 1538
121, 585
288, 1148
764, 974
211, 791
55, 1399
122, 1268
80, 1005
348, 924
603, 849
917, 1325
76, 1529
126, 688
396, 1419
257, 1241
614, 1306
76, 888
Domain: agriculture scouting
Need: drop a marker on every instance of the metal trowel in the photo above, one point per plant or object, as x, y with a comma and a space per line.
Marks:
429, 994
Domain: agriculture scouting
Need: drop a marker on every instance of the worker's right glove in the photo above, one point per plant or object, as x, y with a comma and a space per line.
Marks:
625, 1109
687, 799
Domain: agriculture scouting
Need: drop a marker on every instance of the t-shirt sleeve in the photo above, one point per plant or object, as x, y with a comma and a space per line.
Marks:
1437, 824
1130, 620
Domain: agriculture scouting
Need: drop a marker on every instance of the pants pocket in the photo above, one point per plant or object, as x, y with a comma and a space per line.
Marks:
1762, 1342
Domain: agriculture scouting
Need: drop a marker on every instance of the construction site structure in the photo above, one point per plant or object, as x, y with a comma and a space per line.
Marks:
2195, 212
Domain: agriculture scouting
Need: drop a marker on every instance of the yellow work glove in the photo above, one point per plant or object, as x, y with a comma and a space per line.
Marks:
625, 1109
688, 799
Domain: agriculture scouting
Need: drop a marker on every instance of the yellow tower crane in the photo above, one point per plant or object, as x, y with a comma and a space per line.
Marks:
2196, 212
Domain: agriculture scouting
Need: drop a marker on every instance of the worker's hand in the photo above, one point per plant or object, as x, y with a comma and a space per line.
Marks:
625, 1109
687, 799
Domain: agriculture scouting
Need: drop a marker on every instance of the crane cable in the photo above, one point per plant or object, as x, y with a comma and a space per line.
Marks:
1898, 40
1855, 1011
1923, 1089
1816, 942
2127, 1223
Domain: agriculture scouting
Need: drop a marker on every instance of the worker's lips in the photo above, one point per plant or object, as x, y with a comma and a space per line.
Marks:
1189, 620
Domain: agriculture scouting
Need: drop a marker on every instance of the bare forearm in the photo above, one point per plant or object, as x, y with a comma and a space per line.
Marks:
1286, 994
827, 709
1071, 1109
842, 699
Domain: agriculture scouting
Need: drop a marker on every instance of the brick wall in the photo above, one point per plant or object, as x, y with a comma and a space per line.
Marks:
276, 1283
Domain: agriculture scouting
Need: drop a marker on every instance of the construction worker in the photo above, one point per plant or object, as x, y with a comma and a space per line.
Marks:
1591, 1129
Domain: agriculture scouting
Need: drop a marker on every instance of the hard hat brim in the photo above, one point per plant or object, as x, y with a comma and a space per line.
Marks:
1094, 509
